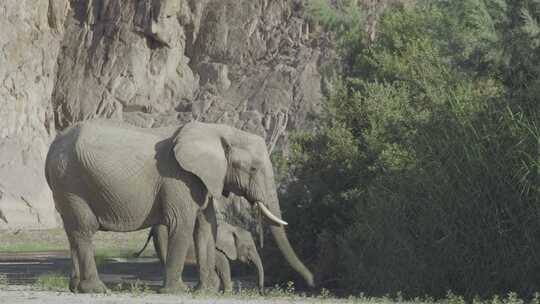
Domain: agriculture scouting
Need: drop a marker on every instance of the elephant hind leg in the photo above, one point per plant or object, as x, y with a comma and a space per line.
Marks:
160, 240
84, 249
80, 225
75, 278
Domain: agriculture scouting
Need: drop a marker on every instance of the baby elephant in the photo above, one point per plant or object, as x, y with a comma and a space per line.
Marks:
232, 243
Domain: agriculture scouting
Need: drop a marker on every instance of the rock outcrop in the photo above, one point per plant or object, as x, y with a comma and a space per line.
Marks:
29, 45
252, 64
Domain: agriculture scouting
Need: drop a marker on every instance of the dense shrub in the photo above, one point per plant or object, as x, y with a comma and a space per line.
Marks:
424, 174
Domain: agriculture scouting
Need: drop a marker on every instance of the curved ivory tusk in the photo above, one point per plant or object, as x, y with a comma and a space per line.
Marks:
270, 216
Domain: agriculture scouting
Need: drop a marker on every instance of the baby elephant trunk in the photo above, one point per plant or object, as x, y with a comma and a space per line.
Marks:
256, 260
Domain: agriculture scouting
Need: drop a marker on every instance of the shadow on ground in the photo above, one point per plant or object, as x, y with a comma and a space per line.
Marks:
25, 268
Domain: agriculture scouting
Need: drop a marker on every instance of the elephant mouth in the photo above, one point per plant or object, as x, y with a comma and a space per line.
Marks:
269, 215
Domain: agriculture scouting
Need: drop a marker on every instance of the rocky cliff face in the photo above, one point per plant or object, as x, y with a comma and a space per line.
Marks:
252, 64
29, 46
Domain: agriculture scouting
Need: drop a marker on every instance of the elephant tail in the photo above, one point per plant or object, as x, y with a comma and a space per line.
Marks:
136, 255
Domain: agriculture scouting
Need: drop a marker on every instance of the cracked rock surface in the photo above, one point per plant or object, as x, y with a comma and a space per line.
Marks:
29, 45
252, 64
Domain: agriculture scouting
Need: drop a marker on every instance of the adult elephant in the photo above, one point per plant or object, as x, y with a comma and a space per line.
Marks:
232, 243
110, 176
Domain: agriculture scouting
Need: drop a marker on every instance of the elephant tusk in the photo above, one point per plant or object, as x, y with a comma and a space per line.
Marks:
260, 229
270, 216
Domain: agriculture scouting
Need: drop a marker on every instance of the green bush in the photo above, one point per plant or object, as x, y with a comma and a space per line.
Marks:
423, 176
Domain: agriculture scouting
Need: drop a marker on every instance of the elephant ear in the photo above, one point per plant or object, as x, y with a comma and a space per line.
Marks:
198, 149
244, 237
225, 241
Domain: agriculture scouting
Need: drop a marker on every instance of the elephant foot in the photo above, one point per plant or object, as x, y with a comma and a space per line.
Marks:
176, 288
92, 286
261, 291
206, 288
227, 287
74, 284
227, 290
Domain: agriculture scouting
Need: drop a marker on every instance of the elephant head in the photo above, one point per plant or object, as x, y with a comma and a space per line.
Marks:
230, 160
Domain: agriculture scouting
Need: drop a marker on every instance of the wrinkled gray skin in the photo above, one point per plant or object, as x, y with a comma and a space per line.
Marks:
232, 243
110, 176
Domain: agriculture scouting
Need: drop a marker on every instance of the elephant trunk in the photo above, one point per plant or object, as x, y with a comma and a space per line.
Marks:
256, 260
278, 232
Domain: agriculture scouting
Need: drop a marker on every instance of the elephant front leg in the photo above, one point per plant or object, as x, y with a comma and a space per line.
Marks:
224, 271
205, 247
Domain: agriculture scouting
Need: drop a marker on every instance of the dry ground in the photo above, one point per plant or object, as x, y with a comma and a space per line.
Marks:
25, 295
27, 256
